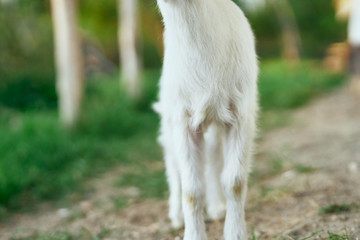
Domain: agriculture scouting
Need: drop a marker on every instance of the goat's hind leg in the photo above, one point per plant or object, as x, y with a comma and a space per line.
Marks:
173, 176
237, 157
189, 145
215, 201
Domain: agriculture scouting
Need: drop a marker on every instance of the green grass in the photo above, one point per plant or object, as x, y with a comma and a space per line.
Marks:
312, 235
300, 168
283, 87
253, 237
40, 160
334, 236
338, 208
330, 236
151, 183
120, 202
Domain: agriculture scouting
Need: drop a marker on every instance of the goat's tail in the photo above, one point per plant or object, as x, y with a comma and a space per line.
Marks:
156, 106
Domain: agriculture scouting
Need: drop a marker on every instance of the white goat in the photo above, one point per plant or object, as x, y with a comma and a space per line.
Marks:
208, 84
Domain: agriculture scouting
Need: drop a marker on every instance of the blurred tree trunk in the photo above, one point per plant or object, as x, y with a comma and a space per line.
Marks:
289, 29
127, 43
354, 40
68, 56
342, 8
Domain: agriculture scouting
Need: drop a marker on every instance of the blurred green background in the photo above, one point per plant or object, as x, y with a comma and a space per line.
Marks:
39, 160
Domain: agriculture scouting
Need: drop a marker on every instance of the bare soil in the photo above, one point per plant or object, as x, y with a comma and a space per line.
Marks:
300, 168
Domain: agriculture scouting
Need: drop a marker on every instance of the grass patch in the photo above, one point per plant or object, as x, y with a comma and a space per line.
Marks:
41, 160
283, 86
120, 202
105, 232
75, 214
253, 236
277, 166
152, 184
312, 235
329, 236
338, 208
274, 165
300, 168
334, 236
272, 119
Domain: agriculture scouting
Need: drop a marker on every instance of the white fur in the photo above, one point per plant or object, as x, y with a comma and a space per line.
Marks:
208, 108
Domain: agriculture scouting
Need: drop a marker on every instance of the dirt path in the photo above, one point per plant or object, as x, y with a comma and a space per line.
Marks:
309, 164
